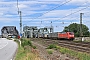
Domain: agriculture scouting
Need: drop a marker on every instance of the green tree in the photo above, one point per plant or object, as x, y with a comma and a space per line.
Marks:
76, 29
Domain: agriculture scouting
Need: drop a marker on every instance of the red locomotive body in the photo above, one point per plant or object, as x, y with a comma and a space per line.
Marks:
66, 35
61, 35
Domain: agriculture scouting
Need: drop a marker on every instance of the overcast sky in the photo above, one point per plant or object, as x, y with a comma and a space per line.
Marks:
41, 12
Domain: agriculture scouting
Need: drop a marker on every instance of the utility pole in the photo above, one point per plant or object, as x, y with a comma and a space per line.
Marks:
20, 23
81, 33
20, 14
51, 27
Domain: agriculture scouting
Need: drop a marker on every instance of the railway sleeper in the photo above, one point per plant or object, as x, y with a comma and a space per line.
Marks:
78, 48
81, 50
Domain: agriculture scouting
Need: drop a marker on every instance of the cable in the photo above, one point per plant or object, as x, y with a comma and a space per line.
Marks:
66, 15
62, 5
46, 1
74, 12
55, 8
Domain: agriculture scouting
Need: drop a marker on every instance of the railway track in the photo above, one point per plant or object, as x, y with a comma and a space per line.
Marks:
77, 46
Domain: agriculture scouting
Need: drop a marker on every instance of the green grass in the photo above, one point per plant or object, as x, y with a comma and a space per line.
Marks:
34, 47
50, 51
79, 55
86, 40
20, 54
51, 46
25, 53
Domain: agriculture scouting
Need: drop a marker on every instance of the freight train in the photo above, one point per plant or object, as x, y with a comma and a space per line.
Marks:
58, 35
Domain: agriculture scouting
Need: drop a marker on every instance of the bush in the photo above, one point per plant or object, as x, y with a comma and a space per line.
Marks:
50, 51
26, 42
9, 38
34, 47
16, 40
29, 43
51, 46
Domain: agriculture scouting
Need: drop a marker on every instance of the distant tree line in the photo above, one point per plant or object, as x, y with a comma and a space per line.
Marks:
76, 29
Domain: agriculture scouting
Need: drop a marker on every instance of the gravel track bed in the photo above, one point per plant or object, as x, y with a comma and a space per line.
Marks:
78, 46
42, 44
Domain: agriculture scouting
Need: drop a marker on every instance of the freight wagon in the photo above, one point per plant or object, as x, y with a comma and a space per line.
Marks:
54, 35
43, 35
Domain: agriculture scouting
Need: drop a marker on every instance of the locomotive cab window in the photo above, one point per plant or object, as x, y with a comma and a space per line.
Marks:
71, 33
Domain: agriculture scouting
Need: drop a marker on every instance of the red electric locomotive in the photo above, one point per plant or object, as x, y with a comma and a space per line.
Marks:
66, 35
62, 35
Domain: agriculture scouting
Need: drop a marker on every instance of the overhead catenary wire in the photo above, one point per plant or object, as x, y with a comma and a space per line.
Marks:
52, 9
73, 13
46, 1
57, 7
66, 15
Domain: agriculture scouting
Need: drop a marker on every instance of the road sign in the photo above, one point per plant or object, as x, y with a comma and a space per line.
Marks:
20, 35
